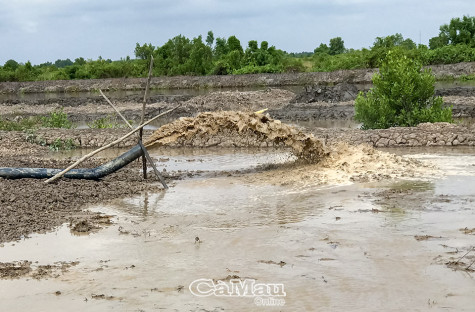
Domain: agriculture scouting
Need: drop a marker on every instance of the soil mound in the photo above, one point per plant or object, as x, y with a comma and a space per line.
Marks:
237, 129
342, 92
245, 101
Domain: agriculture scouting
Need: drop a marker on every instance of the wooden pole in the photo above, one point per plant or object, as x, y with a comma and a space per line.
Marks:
150, 160
116, 110
60, 174
144, 150
144, 103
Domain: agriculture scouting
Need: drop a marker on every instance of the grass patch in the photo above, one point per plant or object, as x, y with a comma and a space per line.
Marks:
56, 119
470, 77
20, 124
106, 123
57, 145
62, 145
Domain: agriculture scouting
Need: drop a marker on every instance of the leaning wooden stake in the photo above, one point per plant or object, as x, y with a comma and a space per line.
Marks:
150, 160
60, 174
145, 96
116, 110
144, 150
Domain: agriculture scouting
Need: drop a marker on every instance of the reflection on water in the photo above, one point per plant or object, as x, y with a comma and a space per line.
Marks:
188, 159
128, 93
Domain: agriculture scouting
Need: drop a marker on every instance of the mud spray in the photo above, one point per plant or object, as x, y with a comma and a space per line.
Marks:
238, 129
318, 164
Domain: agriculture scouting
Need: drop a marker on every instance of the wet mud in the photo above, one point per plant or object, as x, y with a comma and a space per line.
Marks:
32, 206
394, 238
27, 269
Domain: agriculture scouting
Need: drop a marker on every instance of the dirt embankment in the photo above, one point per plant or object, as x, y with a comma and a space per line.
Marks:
437, 134
313, 102
337, 102
229, 81
91, 108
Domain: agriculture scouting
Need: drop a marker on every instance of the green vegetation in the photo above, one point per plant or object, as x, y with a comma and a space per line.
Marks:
403, 95
105, 123
56, 119
62, 145
222, 56
467, 77
458, 31
20, 124
57, 145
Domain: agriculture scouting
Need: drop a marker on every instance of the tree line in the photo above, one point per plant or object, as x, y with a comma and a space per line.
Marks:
223, 56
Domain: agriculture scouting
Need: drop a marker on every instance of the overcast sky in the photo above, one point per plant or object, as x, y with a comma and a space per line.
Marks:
46, 30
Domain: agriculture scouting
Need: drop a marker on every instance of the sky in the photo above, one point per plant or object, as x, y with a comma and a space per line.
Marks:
47, 30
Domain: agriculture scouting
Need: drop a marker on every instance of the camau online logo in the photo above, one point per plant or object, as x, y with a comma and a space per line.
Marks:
264, 294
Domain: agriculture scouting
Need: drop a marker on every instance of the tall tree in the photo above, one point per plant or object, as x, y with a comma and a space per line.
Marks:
221, 48
234, 44
144, 52
322, 49
337, 46
458, 31
210, 39
11, 65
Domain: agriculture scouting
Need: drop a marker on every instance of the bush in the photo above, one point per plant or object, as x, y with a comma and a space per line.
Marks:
57, 119
253, 69
20, 124
60, 144
402, 95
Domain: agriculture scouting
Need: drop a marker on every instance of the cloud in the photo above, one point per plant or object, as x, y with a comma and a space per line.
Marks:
45, 30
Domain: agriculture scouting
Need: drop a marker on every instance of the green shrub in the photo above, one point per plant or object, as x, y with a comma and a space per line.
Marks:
253, 69
57, 119
349, 60
470, 77
60, 144
20, 125
403, 95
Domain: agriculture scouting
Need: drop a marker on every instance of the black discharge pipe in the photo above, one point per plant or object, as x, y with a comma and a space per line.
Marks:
88, 174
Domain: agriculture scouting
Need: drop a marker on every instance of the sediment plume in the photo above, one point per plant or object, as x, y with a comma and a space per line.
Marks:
237, 129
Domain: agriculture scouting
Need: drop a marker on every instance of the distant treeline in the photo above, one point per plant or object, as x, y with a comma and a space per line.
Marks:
223, 56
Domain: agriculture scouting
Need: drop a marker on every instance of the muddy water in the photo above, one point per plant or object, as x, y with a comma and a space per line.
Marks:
126, 93
336, 248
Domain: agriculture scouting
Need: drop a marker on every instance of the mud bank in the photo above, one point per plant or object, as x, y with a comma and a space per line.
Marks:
229, 81
438, 134
80, 137
31, 206
462, 107
314, 102
93, 98
85, 110
345, 92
